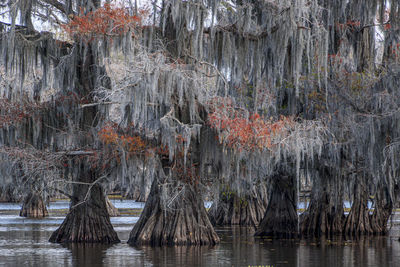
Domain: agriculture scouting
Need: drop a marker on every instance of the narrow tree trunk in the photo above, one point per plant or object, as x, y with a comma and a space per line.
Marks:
88, 220
234, 210
111, 209
140, 193
179, 221
33, 206
281, 219
357, 222
144, 191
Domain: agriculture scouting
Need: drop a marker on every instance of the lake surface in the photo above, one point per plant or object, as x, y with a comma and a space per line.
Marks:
23, 242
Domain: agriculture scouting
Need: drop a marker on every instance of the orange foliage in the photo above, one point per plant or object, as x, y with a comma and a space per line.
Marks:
238, 131
350, 24
132, 144
106, 21
12, 112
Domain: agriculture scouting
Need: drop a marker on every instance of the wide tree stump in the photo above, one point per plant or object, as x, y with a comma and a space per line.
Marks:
325, 214
183, 221
383, 208
358, 220
281, 219
232, 209
88, 220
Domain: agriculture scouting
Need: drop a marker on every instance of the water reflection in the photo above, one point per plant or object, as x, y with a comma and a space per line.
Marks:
178, 255
365, 251
87, 254
24, 242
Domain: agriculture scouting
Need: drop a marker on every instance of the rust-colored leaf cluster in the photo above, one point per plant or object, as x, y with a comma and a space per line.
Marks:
350, 24
14, 112
108, 20
131, 143
239, 131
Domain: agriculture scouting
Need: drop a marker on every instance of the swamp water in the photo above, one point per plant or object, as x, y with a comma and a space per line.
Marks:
24, 242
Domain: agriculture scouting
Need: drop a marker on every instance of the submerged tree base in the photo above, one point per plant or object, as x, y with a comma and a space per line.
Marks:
281, 219
382, 212
234, 210
33, 206
321, 219
183, 221
88, 220
325, 214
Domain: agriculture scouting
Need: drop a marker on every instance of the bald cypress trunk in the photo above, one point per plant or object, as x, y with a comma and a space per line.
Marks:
325, 214
88, 219
383, 208
111, 209
322, 217
232, 209
33, 206
357, 222
182, 221
281, 219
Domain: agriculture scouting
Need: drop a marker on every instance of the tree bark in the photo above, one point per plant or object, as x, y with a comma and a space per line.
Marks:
357, 222
322, 217
111, 209
281, 219
234, 210
183, 221
33, 206
382, 210
325, 214
88, 220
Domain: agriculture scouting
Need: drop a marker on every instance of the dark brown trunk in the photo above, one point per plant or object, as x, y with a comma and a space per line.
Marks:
33, 206
180, 221
321, 217
234, 210
281, 219
88, 220
325, 214
357, 222
382, 210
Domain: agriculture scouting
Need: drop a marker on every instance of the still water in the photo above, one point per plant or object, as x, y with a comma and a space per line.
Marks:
23, 242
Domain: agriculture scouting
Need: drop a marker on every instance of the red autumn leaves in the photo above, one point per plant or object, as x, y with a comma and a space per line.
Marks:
238, 130
108, 20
